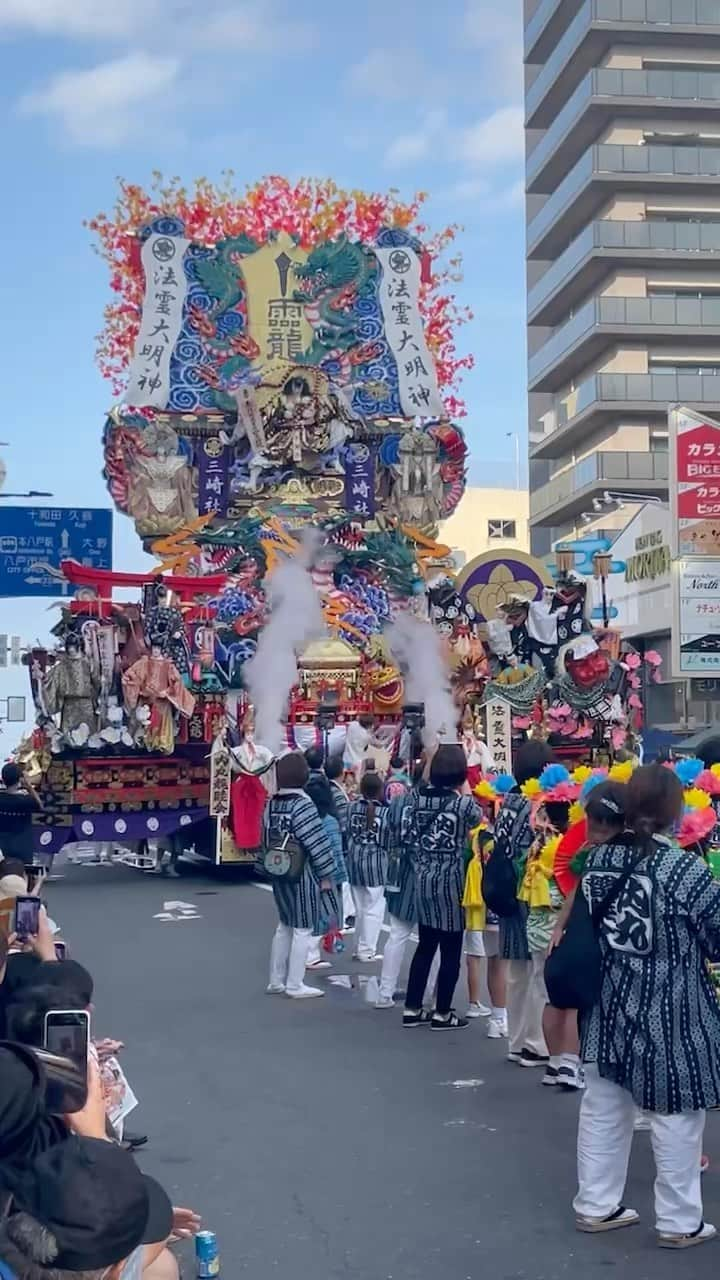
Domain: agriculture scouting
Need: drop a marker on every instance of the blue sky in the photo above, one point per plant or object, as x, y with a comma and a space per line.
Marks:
409, 94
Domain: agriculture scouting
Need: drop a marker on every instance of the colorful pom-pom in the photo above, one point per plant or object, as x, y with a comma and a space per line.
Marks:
504, 782
552, 775
688, 770
622, 771
531, 788
696, 799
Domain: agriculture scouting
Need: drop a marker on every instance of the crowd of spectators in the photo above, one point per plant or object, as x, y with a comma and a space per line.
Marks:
74, 1205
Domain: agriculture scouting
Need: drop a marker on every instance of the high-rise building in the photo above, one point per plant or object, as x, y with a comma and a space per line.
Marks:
622, 103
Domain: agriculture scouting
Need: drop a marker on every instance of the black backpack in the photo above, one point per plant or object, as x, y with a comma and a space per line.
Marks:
573, 970
499, 875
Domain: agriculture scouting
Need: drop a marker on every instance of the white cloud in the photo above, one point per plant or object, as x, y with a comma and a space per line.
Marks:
99, 106
394, 75
94, 18
496, 140
497, 33
415, 145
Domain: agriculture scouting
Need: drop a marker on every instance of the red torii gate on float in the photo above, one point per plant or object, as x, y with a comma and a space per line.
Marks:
102, 581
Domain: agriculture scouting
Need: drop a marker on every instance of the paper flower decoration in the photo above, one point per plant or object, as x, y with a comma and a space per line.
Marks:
715, 768
709, 781
531, 788
688, 770
695, 825
621, 771
563, 792
696, 799
632, 661
576, 814
652, 657
581, 773
552, 775
598, 775
484, 790
504, 782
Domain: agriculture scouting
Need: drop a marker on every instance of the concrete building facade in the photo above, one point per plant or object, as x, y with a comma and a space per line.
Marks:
488, 520
622, 105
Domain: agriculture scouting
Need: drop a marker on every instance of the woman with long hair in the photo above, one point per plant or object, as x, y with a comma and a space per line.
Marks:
653, 1039
436, 825
367, 864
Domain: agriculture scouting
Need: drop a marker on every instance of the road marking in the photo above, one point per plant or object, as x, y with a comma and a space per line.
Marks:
178, 911
462, 1084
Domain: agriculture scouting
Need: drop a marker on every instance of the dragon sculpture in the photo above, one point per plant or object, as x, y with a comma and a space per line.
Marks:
333, 276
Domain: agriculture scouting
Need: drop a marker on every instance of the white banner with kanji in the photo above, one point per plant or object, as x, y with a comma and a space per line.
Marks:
399, 295
165, 290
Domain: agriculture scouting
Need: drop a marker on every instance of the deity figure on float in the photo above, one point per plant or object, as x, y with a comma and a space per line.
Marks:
70, 689
155, 682
417, 493
160, 487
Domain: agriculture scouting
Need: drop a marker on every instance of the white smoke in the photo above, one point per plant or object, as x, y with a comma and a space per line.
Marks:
417, 649
295, 619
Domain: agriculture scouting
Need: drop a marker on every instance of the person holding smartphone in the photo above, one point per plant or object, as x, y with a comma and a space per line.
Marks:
18, 802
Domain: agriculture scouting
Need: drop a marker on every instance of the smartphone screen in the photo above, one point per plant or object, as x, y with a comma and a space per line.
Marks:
67, 1034
27, 912
61, 950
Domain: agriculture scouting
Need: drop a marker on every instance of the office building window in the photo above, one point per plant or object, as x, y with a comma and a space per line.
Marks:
501, 529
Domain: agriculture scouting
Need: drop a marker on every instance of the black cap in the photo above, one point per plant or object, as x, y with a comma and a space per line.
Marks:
94, 1200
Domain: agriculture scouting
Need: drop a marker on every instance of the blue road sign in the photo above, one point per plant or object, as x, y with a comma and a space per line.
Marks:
33, 540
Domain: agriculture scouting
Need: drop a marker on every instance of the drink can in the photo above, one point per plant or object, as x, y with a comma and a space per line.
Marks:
206, 1254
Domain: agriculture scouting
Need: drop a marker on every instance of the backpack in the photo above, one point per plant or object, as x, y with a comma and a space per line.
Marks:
283, 857
499, 876
573, 969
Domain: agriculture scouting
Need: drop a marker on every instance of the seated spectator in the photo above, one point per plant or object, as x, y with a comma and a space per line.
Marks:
25, 1127
25, 1013
18, 802
83, 1208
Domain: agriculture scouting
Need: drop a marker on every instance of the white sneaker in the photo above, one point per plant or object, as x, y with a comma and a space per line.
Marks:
478, 1010
316, 965
305, 993
368, 959
384, 1002
497, 1029
275, 989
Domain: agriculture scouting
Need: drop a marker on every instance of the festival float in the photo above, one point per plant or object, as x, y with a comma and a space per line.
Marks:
286, 442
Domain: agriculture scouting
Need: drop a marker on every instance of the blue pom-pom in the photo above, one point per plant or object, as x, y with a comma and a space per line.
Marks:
552, 775
590, 784
503, 783
688, 770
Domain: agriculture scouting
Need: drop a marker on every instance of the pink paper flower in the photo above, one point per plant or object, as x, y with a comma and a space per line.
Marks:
653, 658
632, 660
634, 700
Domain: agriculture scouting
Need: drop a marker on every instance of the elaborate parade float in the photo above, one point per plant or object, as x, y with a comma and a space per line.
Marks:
286, 443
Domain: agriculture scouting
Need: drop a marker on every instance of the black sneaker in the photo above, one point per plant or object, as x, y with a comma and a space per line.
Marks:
551, 1076
350, 922
453, 1023
417, 1019
529, 1058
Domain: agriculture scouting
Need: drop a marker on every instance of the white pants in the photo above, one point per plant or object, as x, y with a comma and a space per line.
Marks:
348, 902
398, 938
526, 1000
370, 913
605, 1135
288, 957
314, 950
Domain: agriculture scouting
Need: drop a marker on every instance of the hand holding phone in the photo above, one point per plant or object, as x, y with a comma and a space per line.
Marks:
67, 1034
27, 916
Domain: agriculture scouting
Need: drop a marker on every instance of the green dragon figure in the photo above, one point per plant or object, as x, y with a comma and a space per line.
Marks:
333, 276
221, 275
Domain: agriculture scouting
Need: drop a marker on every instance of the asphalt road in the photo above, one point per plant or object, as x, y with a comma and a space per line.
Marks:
319, 1139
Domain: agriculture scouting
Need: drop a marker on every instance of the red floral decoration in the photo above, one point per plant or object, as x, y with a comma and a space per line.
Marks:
311, 209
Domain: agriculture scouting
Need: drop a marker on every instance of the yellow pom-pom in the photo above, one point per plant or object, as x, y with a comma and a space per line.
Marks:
621, 772
581, 773
696, 799
531, 788
484, 790
576, 814
715, 768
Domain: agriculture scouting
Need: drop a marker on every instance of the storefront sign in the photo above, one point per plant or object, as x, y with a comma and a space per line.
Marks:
694, 483
651, 560
696, 622
499, 733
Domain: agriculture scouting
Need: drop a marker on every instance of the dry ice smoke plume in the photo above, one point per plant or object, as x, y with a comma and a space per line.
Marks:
417, 648
296, 618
